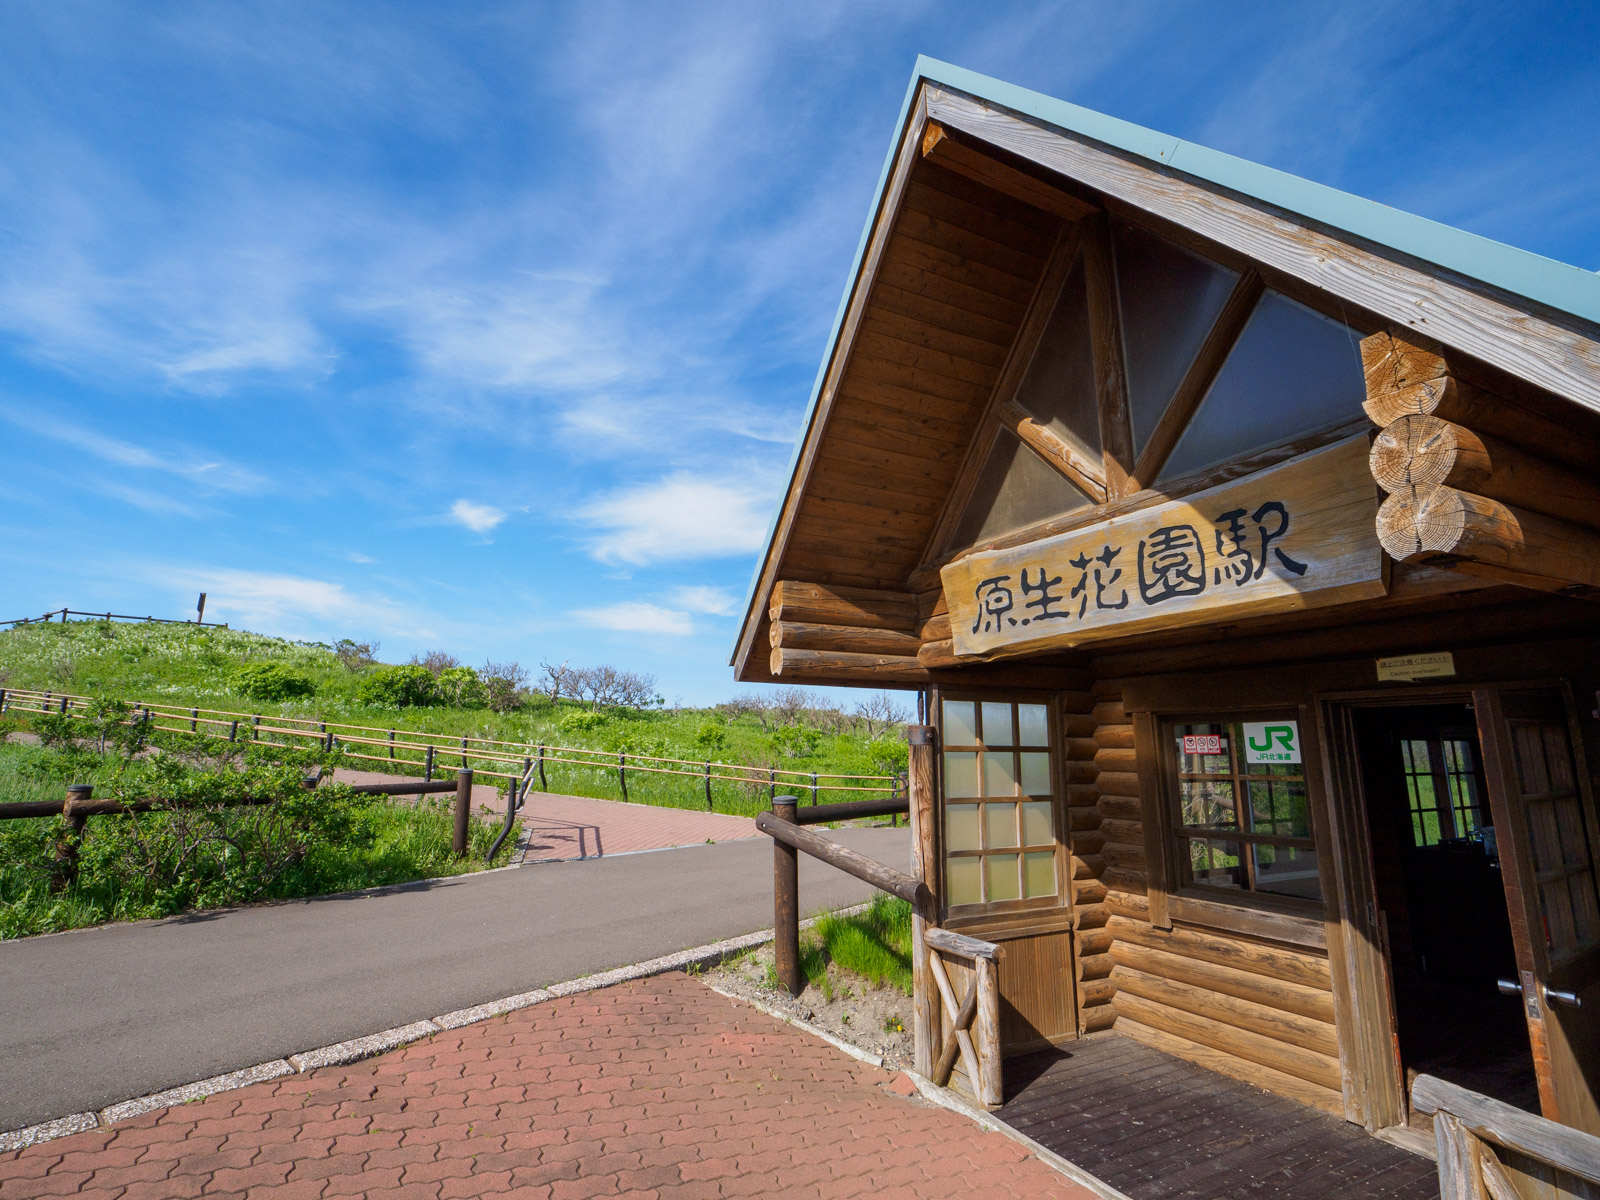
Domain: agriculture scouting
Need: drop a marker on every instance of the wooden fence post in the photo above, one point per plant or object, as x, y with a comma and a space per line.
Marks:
987, 1030
921, 783
255, 729
428, 773
544, 785
233, 732
622, 772
463, 750
709, 807
813, 789
194, 720
786, 903
391, 744
463, 810
72, 836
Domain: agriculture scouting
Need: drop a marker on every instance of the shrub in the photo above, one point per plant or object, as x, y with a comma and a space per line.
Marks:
398, 687
355, 656
796, 741
271, 681
460, 687
889, 754
710, 738
582, 721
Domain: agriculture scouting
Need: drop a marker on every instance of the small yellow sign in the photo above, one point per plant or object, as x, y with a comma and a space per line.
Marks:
1405, 667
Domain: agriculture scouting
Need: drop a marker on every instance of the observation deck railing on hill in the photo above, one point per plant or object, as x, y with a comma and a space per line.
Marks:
519, 764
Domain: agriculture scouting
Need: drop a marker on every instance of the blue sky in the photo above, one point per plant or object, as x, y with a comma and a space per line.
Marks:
489, 327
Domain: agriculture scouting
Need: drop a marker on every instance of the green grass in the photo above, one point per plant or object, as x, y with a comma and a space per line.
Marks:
195, 667
874, 944
141, 866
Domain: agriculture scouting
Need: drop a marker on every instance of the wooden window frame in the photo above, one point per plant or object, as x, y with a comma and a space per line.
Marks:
984, 914
1172, 898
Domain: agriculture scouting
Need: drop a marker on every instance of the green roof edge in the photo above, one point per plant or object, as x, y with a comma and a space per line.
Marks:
1546, 281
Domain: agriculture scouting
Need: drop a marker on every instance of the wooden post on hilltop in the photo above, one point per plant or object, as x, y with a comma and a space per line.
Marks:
921, 783
463, 810
786, 903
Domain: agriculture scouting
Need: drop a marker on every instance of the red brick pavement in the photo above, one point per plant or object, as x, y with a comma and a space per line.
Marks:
659, 1088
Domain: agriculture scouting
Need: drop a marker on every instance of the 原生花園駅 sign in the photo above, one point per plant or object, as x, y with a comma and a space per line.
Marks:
1300, 535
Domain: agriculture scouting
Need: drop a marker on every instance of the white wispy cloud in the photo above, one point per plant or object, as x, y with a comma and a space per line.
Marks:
713, 601
295, 606
637, 617
480, 518
183, 461
681, 517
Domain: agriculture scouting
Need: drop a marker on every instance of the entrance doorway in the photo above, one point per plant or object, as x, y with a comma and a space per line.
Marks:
1437, 876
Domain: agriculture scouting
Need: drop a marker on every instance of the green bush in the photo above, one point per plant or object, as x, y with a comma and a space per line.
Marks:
711, 738
272, 681
582, 721
796, 741
460, 687
398, 687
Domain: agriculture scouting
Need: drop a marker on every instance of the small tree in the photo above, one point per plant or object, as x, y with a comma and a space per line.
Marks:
880, 712
556, 681
437, 662
355, 656
503, 684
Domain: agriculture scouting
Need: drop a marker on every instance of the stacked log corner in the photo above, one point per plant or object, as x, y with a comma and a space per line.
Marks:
1090, 726
1475, 481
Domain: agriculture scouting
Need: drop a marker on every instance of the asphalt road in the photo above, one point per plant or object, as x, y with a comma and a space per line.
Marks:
96, 1016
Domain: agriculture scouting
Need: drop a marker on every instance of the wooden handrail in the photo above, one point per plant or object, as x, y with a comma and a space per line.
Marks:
887, 879
961, 945
1560, 1146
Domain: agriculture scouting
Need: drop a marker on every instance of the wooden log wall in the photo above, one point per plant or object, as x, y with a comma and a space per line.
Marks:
1475, 481
1258, 1011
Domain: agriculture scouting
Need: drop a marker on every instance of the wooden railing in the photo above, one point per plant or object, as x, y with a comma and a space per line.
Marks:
64, 613
405, 751
1489, 1150
940, 957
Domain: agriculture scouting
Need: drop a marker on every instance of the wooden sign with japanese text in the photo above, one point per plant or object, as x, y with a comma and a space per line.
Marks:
1300, 535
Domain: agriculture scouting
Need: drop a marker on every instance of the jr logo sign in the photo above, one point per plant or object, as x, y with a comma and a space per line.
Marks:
1271, 741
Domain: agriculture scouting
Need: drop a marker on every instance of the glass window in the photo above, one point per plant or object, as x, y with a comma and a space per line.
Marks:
1014, 488
999, 803
1292, 371
1444, 788
1058, 388
1242, 826
1169, 301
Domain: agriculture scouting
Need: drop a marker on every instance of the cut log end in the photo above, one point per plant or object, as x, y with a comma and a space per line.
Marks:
1394, 360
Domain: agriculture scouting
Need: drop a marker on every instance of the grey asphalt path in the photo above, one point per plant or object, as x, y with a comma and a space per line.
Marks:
96, 1016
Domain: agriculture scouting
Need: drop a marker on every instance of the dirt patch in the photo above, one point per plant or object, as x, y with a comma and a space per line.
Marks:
875, 1019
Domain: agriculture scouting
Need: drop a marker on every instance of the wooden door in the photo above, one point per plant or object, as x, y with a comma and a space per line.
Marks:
1544, 822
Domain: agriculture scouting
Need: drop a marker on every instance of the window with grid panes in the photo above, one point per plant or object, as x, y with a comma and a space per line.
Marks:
1444, 791
999, 812
1241, 826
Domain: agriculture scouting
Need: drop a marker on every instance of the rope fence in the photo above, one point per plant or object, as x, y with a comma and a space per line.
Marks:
406, 752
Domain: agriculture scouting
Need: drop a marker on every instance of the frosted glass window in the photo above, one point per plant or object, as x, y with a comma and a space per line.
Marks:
961, 775
1169, 300
961, 830
1058, 388
1000, 877
1033, 725
1039, 873
1037, 827
959, 727
996, 724
1000, 826
999, 773
1015, 488
963, 879
1292, 371
1035, 775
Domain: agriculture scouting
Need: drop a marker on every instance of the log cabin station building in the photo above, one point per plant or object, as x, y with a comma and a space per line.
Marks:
1241, 539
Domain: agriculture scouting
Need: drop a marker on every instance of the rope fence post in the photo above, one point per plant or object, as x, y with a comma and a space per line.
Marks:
622, 772
709, 806
233, 732
391, 745
772, 784
428, 773
255, 729
544, 785
813, 789
463, 811
194, 720
463, 750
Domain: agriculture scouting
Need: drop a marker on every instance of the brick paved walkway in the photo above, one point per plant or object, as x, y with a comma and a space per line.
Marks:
562, 828
660, 1088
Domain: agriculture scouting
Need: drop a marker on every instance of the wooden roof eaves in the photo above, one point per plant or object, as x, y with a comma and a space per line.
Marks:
903, 154
1554, 348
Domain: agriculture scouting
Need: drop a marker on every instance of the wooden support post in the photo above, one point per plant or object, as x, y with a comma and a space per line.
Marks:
772, 784
987, 1027
786, 904
65, 700
622, 772
544, 785
194, 720
66, 874
1459, 1178
709, 807
463, 810
921, 783
391, 744
255, 729
233, 731
463, 750
427, 773
813, 789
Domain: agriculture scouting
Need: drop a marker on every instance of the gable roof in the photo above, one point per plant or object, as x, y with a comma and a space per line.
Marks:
1563, 295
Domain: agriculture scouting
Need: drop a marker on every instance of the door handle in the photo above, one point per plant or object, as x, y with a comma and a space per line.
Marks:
1511, 987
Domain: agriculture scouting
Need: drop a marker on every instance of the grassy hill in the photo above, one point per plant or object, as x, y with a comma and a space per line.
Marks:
207, 668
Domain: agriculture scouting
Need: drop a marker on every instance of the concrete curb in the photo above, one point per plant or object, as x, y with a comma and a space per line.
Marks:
343, 1053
